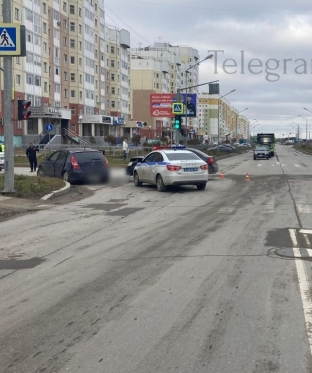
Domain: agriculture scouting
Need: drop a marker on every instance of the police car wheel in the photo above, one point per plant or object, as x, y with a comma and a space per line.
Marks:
201, 186
161, 187
136, 179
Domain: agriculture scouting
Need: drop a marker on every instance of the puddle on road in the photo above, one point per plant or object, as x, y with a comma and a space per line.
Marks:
105, 206
20, 264
125, 212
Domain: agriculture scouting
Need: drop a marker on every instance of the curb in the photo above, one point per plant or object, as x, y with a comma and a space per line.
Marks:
59, 192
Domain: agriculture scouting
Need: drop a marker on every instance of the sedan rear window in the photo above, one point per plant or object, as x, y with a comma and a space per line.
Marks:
89, 156
181, 156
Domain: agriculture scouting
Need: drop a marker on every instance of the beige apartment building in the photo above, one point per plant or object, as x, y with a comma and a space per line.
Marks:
76, 72
160, 69
210, 107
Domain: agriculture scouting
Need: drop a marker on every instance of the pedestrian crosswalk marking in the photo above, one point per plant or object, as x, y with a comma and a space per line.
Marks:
5, 39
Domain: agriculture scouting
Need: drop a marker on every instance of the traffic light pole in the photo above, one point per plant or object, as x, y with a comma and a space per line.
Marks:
8, 126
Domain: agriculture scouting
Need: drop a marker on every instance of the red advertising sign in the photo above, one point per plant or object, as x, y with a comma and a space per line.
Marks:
161, 105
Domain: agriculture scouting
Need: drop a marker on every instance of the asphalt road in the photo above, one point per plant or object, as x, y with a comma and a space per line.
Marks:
131, 280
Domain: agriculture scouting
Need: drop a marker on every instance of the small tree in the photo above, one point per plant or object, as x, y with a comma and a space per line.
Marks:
110, 139
136, 139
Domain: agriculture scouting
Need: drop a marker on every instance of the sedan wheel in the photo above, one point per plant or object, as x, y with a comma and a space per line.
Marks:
136, 179
201, 186
66, 177
161, 187
40, 172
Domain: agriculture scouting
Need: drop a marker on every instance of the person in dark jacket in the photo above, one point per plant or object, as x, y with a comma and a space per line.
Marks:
31, 153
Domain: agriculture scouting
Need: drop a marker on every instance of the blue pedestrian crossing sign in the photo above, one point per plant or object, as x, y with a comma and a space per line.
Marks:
10, 39
49, 127
177, 108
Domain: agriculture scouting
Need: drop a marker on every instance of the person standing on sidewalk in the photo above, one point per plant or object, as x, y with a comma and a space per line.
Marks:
125, 148
31, 153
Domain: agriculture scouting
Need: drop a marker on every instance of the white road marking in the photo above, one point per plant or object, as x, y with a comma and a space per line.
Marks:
277, 163
304, 286
259, 164
225, 210
304, 209
306, 231
307, 241
296, 165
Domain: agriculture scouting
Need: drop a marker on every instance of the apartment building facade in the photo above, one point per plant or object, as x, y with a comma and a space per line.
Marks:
75, 73
210, 107
160, 68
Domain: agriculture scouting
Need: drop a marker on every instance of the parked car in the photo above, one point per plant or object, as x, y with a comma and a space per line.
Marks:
1, 161
210, 160
171, 167
261, 152
222, 148
132, 164
76, 165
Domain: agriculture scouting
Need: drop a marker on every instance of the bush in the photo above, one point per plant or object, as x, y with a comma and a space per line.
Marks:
110, 139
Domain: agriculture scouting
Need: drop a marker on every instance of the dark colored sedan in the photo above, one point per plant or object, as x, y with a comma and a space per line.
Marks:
76, 165
211, 161
132, 164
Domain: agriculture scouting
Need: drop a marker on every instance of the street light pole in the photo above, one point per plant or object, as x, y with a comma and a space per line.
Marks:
306, 129
250, 126
233, 90
298, 129
236, 120
188, 72
309, 112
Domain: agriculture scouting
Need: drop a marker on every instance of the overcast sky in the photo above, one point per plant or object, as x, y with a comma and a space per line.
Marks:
270, 32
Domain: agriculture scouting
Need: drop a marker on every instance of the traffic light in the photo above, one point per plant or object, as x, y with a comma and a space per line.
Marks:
177, 122
23, 112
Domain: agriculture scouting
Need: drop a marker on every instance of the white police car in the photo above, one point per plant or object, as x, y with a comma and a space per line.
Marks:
171, 167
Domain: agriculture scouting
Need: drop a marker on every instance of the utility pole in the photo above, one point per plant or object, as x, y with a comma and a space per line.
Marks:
8, 127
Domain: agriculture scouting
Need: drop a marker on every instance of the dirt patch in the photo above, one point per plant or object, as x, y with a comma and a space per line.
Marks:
11, 207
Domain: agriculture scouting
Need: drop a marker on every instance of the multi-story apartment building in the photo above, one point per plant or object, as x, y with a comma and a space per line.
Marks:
210, 107
160, 68
76, 72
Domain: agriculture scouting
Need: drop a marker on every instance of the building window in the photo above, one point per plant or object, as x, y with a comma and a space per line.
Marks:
45, 87
65, 23
72, 77
17, 14
112, 63
18, 79
113, 77
80, 29
79, 12
65, 93
72, 93
72, 26
65, 58
72, 60
44, 27
113, 104
44, 7
45, 47
72, 43
73, 110
65, 75
65, 40
65, 6
45, 67
113, 50
113, 90
72, 9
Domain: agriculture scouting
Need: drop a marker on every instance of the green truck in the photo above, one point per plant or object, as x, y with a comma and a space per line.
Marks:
267, 139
